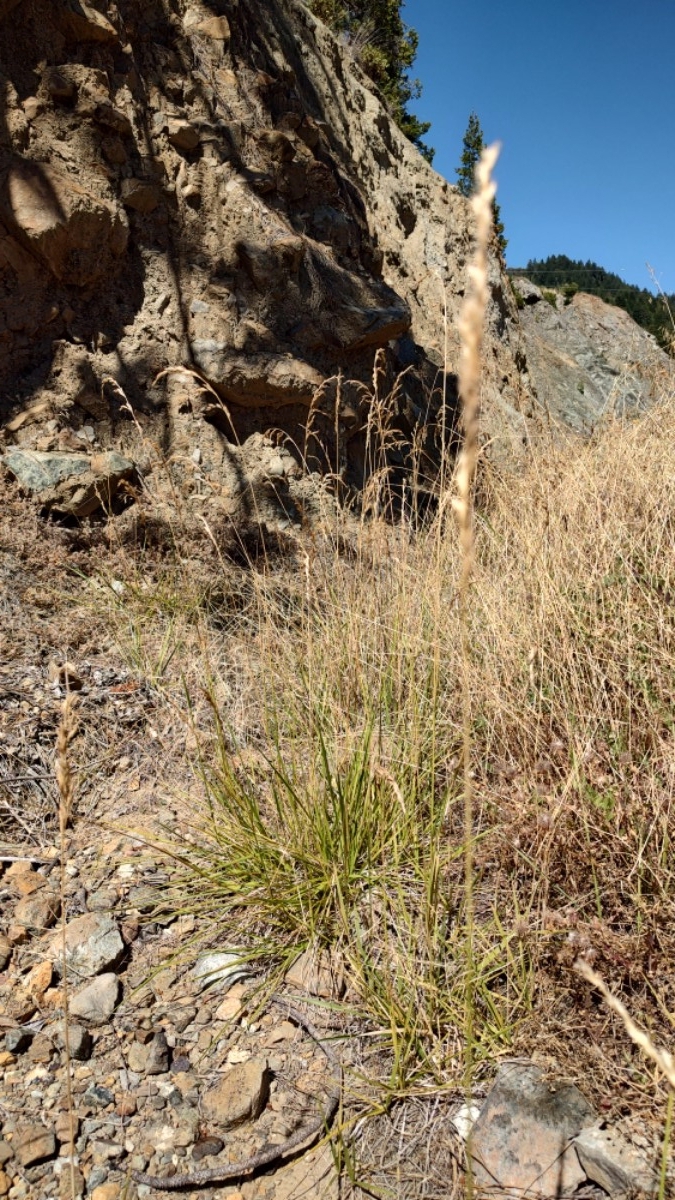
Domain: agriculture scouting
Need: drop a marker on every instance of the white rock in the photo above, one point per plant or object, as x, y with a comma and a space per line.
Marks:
219, 969
465, 1118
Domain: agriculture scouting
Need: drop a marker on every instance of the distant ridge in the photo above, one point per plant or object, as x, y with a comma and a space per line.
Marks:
653, 313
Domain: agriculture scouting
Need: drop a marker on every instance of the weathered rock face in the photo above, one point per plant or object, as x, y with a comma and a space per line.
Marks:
589, 359
215, 186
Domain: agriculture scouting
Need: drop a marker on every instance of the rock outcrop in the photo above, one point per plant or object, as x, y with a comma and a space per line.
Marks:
588, 359
216, 186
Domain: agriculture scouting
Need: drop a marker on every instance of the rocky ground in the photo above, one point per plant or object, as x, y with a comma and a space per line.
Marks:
182, 1065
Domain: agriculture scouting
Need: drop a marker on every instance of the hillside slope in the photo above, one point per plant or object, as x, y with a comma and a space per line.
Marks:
215, 186
589, 359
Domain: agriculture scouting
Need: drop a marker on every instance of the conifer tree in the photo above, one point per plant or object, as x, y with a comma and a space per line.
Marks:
386, 49
472, 147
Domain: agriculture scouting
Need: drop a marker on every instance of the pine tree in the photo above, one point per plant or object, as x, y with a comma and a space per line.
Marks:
472, 148
386, 48
471, 151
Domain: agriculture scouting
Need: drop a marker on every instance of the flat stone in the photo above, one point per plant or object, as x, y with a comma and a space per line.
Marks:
96, 1002
38, 911
40, 469
521, 1141
107, 1191
206, 1147
62, 1127
5, 1152
93, 945
610, 1161
41, 1050
217, 28
25, 880
317, 972
33, 1144
240, 1095
39, 978
20, 1005
219, 969
5, 1183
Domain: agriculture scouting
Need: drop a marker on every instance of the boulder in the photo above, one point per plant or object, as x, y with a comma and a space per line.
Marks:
73, 232
70, 483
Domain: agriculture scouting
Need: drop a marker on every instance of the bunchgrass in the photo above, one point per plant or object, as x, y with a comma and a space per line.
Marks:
449, 762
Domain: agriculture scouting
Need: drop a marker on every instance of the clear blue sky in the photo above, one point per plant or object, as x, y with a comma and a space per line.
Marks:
581, 94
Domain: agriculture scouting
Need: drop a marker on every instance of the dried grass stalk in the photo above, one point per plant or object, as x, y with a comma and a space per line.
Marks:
65, 783
471, 336
663, 1059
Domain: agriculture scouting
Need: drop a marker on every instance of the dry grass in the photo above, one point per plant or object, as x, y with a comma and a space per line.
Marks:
330, 754
324, 695
326, 730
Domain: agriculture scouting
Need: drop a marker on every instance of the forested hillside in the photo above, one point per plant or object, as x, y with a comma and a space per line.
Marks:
652, 312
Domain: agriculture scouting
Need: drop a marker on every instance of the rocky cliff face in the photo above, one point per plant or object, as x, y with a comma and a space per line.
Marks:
214, 186
588, 360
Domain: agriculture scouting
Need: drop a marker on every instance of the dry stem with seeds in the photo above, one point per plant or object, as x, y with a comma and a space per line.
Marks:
65, 783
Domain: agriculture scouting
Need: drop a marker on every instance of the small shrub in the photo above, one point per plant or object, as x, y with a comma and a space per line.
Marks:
551, 298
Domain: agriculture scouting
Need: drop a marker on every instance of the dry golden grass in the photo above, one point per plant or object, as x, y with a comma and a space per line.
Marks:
333, 774
453, 761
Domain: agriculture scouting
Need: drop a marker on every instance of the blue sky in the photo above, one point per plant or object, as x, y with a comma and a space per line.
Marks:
581, 94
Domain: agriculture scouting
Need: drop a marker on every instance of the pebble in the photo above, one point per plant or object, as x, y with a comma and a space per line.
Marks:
33, 1144
97, 1177
5, 1183
126, 1105
17, 1041
96, 1002
38, 912
158, 1055
240, 1095
5, 951
93, 945
97, 1096
206, 1147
